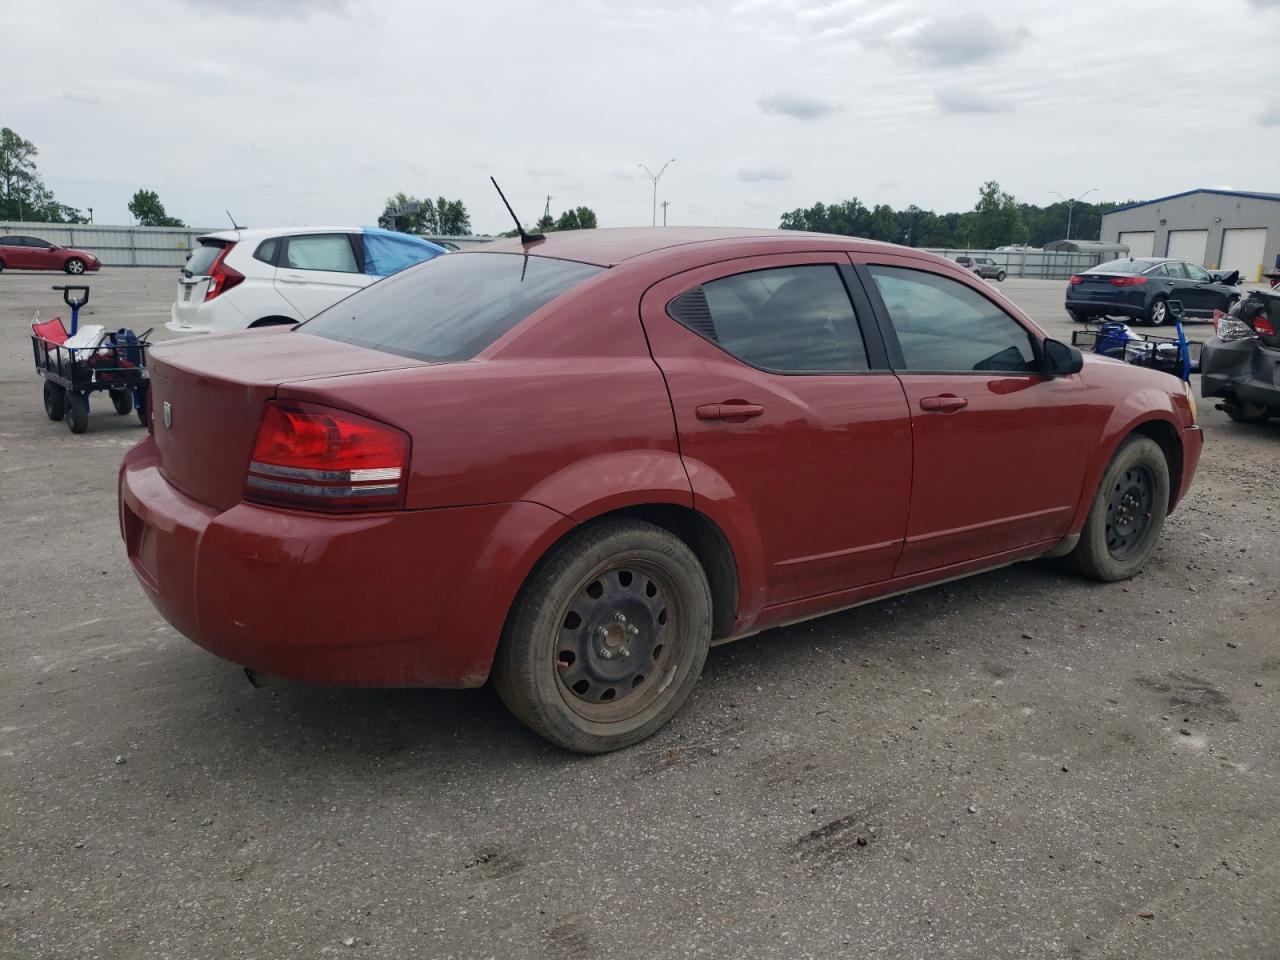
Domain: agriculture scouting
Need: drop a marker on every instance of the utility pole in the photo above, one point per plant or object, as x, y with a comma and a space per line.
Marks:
546, 211
655, 178
664, 211
1071, 205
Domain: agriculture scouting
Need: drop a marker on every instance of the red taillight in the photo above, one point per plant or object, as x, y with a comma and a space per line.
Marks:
1263, 326
221, 277
1128, 281
316, 458
1077, 280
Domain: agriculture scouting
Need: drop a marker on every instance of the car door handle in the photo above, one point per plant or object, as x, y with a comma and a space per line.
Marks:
293, 277
947, 403
731, 410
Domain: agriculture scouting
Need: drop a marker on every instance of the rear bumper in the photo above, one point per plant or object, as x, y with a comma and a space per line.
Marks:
1108, 308
217, 316
1240, 368
411, 598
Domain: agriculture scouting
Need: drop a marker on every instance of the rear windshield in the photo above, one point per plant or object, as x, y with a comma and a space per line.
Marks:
202, 258
1121, 266
449, 308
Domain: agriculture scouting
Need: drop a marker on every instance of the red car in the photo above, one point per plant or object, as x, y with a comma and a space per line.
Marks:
32, 253
576, 465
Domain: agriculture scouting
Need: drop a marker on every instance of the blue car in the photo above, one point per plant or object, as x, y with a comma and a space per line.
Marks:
1141, 288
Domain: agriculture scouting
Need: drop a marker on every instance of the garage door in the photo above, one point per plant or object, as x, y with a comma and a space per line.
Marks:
1139, 244
1188, 245
1242, 250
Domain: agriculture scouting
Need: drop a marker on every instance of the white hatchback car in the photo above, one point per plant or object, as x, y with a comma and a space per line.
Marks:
255, 278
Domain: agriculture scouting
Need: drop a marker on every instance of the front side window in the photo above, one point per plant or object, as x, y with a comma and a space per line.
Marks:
1197, 273
785, 319
945, 326
322, 251
1172, 269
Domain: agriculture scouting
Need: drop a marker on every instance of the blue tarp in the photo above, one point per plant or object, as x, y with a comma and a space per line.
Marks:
387, 252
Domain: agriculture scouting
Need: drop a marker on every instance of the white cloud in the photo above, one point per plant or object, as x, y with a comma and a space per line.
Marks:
962, 39
763, 173
970, 100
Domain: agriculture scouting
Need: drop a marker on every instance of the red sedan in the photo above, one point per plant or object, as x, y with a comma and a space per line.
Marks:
32, 253
577, 464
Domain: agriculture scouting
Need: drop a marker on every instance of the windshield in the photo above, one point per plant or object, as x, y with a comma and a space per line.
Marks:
1121, 266
451, 307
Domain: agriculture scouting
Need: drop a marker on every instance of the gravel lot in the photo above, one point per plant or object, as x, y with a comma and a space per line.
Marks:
1018, 765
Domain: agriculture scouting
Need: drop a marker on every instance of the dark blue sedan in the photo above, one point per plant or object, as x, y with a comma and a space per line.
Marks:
1142, 288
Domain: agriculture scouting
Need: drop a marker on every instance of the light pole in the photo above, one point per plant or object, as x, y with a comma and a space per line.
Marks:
655, 178
1071, 205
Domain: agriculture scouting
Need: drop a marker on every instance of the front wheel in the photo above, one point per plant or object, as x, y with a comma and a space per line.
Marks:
608, 637
74, 266
77, 412
55, 400
1127, 515
1158, 312
1000, 276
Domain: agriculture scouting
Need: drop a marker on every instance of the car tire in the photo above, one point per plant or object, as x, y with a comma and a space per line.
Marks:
122, 400
1242, 412
1000, 276
1078, 317
74, 266
77, 412
620, 610
1, 266
1127, 513
55, 400
1158, 312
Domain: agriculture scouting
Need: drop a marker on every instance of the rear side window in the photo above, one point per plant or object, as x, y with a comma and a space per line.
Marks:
945, 326
324, 251
787, 319
449, 308
267, 250
202, 258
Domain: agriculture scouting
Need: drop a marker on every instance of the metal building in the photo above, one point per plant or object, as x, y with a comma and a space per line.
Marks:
1220, 229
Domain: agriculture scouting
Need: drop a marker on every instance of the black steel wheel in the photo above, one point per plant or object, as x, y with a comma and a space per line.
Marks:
77, 412
608, 637
1127, 514
55, 400
122, 400
1129, 511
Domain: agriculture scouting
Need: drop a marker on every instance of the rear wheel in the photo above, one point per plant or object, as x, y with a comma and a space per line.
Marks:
122, 400
1127, 515
1158, 312
1078, 317
1242, 412
74, 266
1, 266
55, 400
607, 639
77, 412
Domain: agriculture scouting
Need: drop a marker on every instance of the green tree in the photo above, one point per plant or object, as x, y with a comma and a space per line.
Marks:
436, 218
149, 211
577, 218
998, 221
23, 196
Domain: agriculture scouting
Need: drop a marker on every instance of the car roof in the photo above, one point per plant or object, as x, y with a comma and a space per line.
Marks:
262, 233
610, 246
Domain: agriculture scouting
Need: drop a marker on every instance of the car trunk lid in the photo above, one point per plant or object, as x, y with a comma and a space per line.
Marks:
208, 396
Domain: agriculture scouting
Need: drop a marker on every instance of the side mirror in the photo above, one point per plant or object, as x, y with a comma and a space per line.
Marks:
1061, 360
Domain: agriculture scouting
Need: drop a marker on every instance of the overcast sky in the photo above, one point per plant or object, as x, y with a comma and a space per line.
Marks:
314, 111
